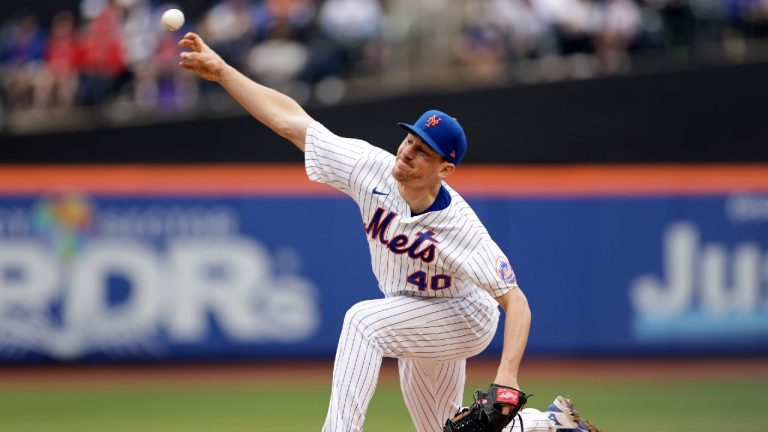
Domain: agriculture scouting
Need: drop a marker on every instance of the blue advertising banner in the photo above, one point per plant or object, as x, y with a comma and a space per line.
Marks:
93, 276
685, 274
170, 278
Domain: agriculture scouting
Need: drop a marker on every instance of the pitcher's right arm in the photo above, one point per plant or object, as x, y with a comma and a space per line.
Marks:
277, 111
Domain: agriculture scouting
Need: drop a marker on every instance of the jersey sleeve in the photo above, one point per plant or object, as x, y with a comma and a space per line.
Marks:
489, 269
330, 159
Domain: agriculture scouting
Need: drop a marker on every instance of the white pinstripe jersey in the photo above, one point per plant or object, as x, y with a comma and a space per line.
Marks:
445, 253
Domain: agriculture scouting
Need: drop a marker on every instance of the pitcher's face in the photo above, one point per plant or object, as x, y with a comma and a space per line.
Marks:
417, 162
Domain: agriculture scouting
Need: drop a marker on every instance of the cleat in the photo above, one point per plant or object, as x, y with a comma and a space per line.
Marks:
565, 417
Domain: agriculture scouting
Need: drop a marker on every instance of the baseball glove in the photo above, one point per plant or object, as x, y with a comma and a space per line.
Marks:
485, 415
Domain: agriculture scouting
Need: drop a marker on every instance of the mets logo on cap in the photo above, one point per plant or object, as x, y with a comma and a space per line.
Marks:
433, 121
504, 270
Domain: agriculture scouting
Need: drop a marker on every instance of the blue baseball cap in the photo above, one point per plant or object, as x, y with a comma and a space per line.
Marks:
441, 132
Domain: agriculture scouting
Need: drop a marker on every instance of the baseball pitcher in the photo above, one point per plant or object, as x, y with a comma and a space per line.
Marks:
441, 274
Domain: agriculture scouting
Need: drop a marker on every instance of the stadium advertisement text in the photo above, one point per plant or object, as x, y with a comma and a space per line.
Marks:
136, 274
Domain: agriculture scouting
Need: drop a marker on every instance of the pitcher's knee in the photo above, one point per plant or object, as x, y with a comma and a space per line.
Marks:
358, 317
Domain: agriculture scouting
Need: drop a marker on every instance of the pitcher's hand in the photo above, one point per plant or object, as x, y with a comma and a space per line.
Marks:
200, 58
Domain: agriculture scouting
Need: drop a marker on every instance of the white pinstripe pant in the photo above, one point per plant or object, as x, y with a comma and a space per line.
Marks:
430, 337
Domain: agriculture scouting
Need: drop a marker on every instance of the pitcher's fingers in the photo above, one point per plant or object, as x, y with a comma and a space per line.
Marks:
190, 56
188, 44
196, 40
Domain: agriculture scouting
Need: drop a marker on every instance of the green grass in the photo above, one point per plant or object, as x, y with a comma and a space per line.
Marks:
621, 406
666, 405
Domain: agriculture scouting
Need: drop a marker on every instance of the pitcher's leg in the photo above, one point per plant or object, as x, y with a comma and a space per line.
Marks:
432, 391
355, 374
427, 329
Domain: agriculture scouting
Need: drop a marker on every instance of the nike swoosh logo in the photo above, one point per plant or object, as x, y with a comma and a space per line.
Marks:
378, 192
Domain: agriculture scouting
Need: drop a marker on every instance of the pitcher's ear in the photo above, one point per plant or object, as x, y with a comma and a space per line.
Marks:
446, 169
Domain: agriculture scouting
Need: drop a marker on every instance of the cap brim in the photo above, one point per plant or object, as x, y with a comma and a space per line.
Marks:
424, 137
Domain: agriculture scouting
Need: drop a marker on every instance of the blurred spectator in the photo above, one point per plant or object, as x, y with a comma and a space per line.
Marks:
353, 26
532, 32
281, 32
62, 59
228, 29
482, 47
280, 59
350, 21
22, 56
578, 21
620, 25
102, 54
422, 36
141, 30
296, 17
174, 89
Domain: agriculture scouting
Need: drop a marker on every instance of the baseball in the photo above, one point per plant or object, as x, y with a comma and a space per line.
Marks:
173, 19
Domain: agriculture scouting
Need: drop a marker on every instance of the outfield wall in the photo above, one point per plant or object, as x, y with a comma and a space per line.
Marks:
244, 262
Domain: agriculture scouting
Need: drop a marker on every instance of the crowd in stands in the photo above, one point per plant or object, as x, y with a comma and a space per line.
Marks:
109, 50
